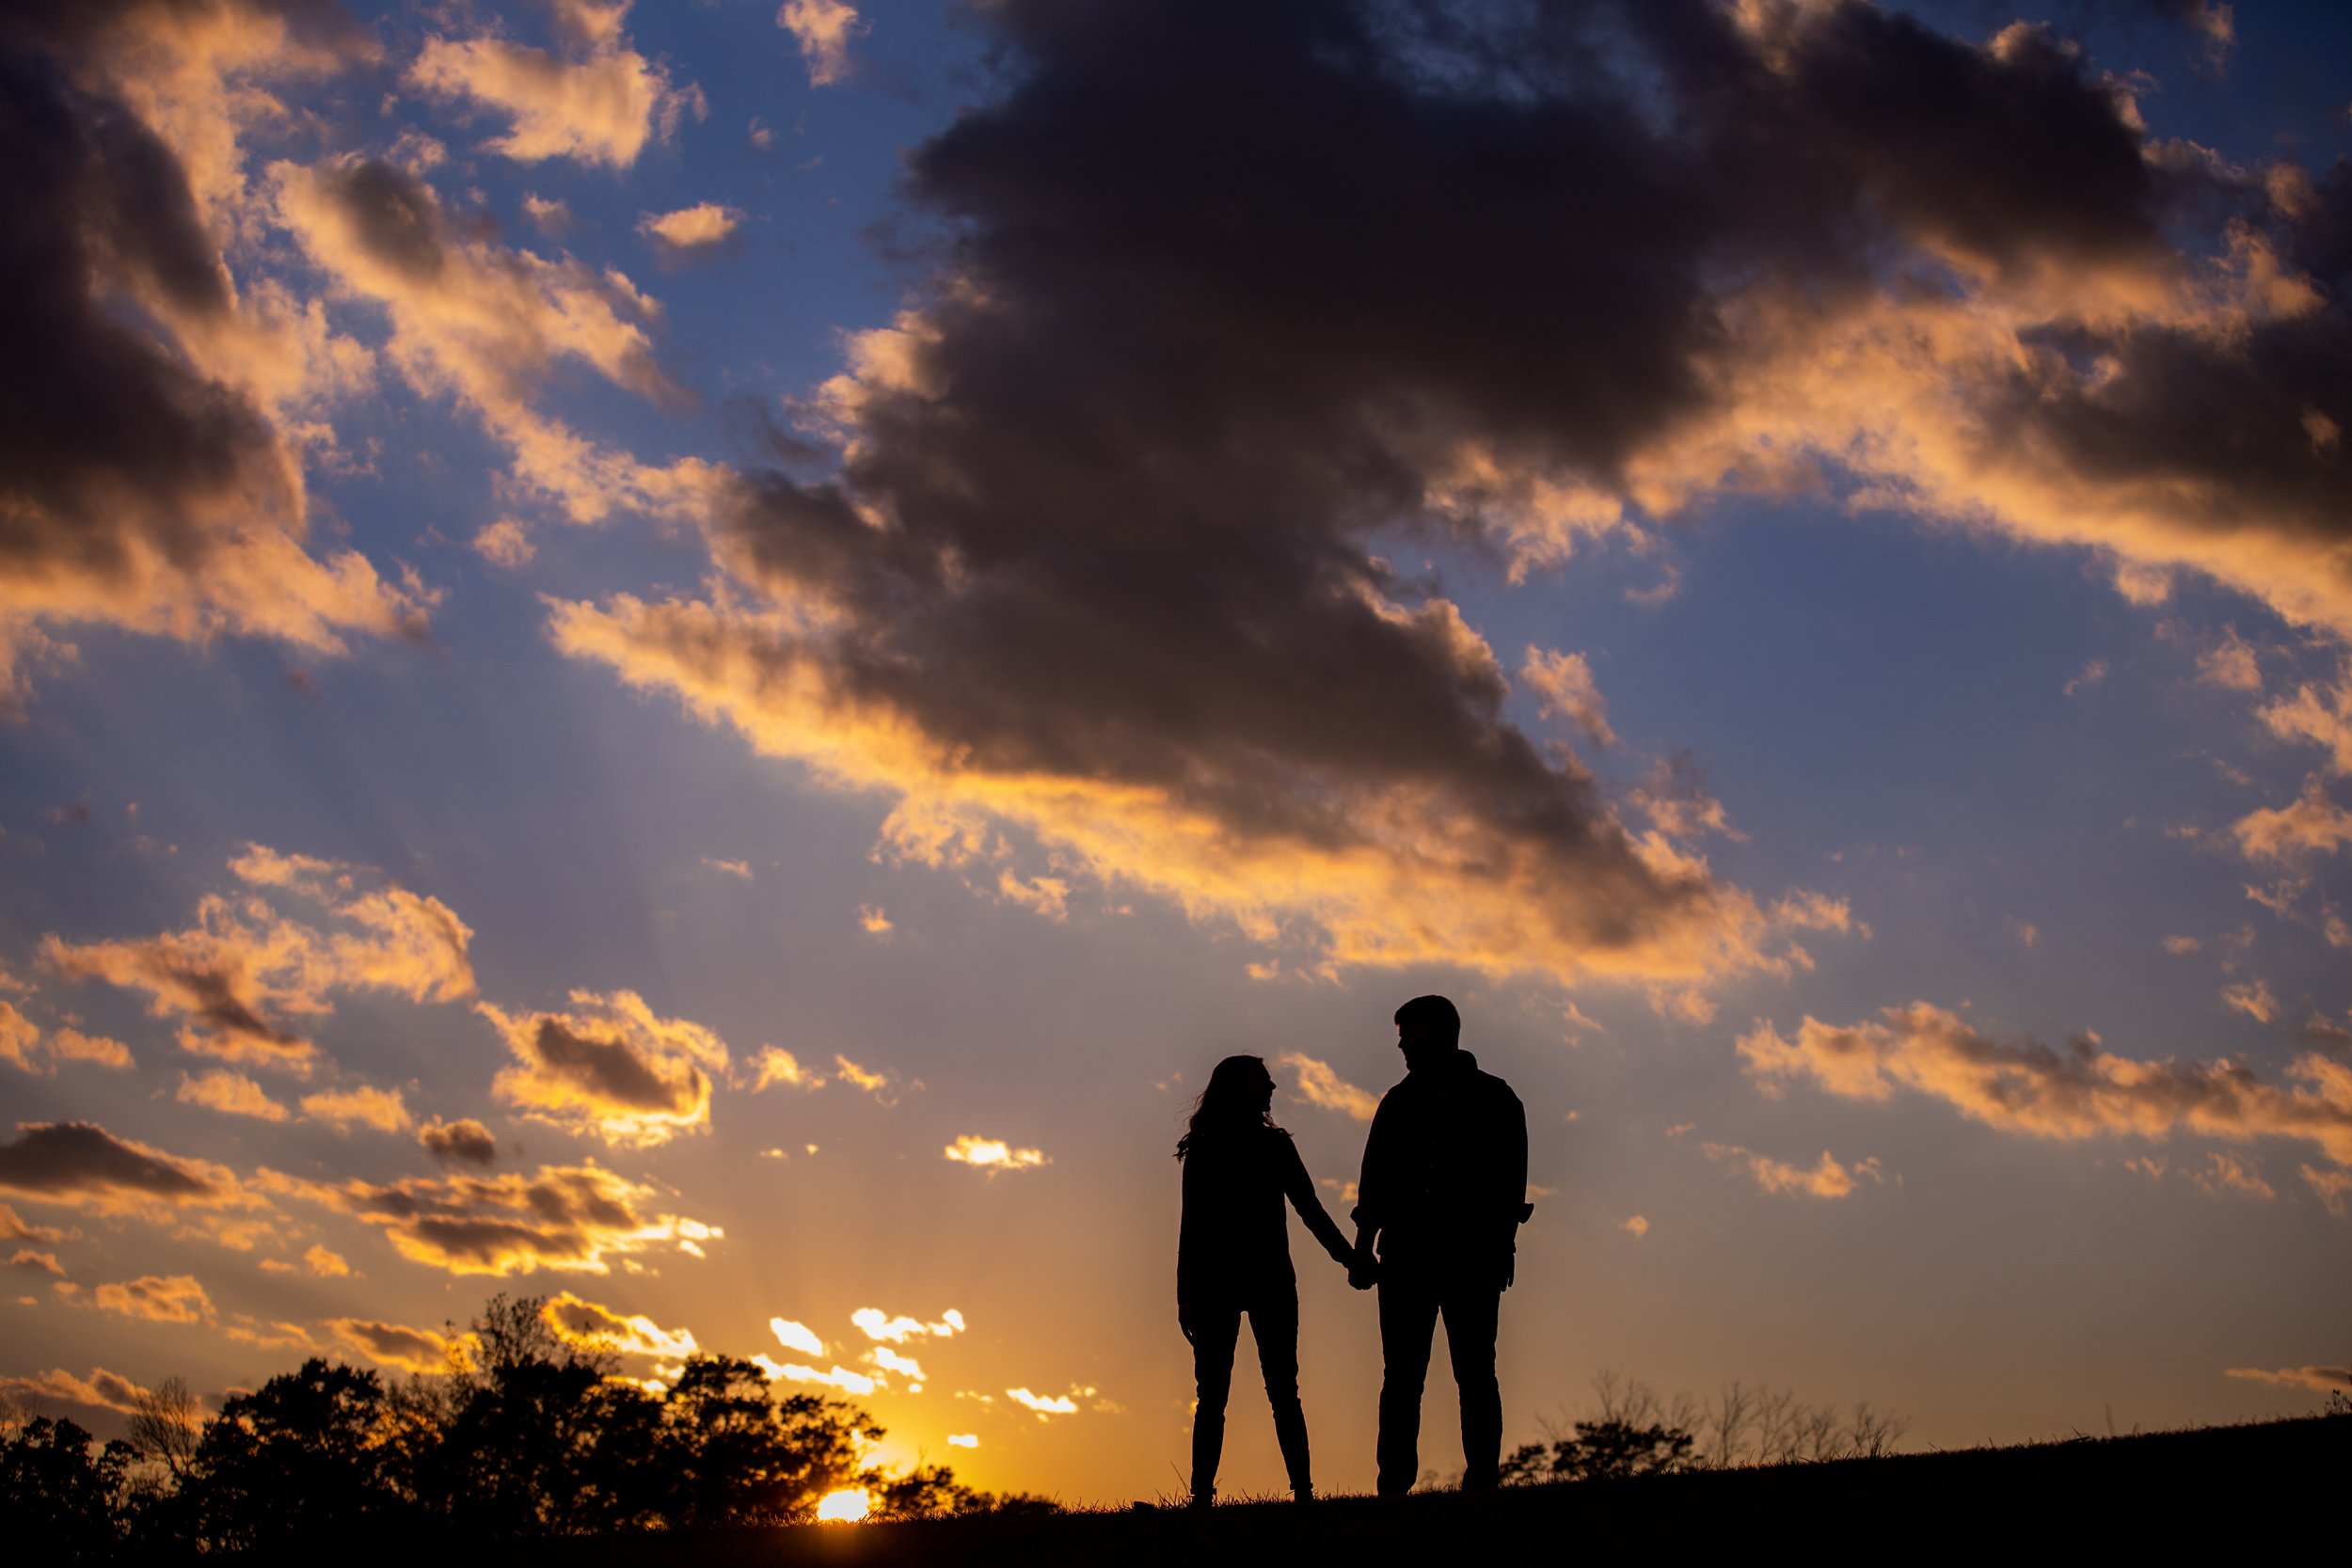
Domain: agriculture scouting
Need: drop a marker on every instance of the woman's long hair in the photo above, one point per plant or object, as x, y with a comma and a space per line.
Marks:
1230, 1103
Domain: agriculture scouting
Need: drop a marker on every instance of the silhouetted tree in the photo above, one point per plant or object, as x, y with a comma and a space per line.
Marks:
298, 1458
60, 1501
734, 1456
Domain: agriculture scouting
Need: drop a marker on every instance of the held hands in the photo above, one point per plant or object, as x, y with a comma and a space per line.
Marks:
1363, 1269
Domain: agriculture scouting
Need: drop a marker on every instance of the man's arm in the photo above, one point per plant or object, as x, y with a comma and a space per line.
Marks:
1371, 1192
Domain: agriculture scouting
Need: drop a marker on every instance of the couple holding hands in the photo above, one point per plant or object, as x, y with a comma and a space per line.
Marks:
1439, 1204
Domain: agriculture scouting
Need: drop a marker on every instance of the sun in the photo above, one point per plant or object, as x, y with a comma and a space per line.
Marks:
847, 1506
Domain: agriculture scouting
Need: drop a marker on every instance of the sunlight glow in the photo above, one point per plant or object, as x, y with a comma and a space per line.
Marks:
849, 1506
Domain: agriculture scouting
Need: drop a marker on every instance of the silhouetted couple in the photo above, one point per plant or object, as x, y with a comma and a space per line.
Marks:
1439, 1204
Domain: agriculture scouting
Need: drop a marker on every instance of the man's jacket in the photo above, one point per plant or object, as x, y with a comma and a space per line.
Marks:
1444, 1181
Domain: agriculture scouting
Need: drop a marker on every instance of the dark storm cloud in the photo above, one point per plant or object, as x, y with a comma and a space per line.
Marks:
77, 1162
138, 486
1225, 295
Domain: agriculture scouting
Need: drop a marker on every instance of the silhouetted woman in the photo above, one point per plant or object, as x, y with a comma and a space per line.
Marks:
1234, 1256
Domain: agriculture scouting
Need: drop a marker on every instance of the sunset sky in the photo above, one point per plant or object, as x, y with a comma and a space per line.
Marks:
699, 660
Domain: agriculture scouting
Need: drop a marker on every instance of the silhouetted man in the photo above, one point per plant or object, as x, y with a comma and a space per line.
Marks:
1442, 1194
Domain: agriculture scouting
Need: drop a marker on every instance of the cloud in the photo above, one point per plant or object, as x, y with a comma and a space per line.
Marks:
150, 479
799, 1337
1635, 1226
739, 869
81, 1164
700, 228
1826, 1178
883, 1085
600, 102
839, 1378
614, 1068
586, 1324
505, 543
891, 1361
407, 1350
877, 1325
560, 1218
327, 1265
243, 966
464, 1141
230, 1093
25, 1258
2225, 1175
22, 1046
1231, 700
963, 1440
873, 920
1319, 1085
2230, 663
164, 1299
775, 1065
2092, 673
994, 1155
101, 1390
1562, 683
2312, 824
1045, 1405
2083, 1092
2254, 999
488, 325
2327, 1380
2332, 1187
14, 1227
381, 1109
823, 29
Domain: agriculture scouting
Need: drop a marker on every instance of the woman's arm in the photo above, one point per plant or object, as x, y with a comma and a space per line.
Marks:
1300, 1189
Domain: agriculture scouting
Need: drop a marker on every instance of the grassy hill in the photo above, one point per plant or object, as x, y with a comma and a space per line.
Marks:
2096, 1498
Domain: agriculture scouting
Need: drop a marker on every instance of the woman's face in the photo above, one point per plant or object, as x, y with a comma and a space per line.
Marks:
1265, 1092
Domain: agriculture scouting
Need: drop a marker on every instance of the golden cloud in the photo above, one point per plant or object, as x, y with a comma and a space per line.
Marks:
2327, 1380
1826, 1178
230, 1093
164, 1299
486, 325
101, 1390
243, 965
464, 1141
1319, 1085
2083, 1092
613, 1067
13, 1227
81, 1164
593, 1327
877, 1325
1562, 683
409, 1350
560, 1218
381, 1109
696, 228
994, 1155
22, 1046
794, 1336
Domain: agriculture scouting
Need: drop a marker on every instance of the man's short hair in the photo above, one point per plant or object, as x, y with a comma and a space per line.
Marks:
1435, 1014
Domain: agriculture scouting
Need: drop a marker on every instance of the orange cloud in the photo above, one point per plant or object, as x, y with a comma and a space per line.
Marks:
876, 1326
2327, 1380
381, 1109
1562, 683
2313, 824
586, 1324
697, 227
561, 1217
22, 1046
327, 1265
1827, 1178
81, 1164
409, 1350
2084, 1092
1319, 1085
164, 1299
464, 1141
613, 1068
230, 1093
600, 105
101, 1390
243, 965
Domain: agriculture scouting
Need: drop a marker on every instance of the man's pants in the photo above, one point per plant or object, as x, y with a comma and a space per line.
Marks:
1411, 1305
1215, 1328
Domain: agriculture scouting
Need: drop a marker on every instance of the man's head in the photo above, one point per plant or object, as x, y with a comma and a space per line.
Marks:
1428, 1031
